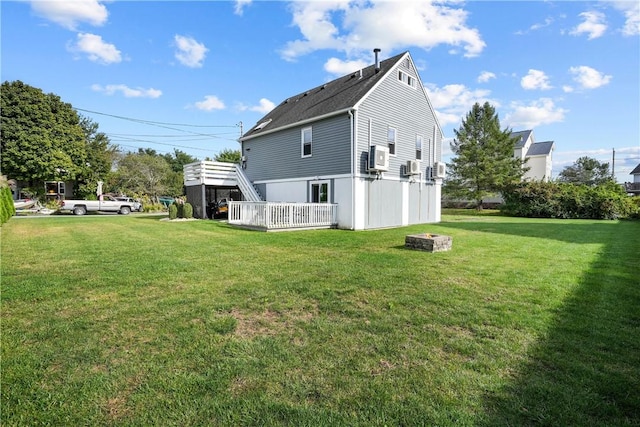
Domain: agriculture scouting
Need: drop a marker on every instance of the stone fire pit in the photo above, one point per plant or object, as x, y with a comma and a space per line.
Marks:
428, 242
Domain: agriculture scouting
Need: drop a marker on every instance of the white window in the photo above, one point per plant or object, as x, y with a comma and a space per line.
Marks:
320, 192
392, 135
306, 142
419, 140
406, 79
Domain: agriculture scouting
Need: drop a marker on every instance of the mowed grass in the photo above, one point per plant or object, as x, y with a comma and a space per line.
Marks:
114, 320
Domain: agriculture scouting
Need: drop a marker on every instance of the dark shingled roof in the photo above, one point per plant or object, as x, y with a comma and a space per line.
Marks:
337, 95
636, 170
540, 148
523, 135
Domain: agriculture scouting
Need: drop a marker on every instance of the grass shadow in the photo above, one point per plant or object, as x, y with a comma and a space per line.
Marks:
586, 369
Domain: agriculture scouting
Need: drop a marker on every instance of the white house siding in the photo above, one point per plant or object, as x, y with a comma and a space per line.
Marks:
393, 199
395, 104
539, 168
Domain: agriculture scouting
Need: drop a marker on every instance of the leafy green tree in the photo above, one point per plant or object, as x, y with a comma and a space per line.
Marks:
586, 170
178, 159
41, 136
229, 156
45, 139
100, 157
483, 162
142, 173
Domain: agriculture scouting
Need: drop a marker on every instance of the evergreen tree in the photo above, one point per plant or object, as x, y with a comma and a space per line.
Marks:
484, 162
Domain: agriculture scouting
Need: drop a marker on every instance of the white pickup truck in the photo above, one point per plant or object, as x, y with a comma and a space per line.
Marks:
107, 204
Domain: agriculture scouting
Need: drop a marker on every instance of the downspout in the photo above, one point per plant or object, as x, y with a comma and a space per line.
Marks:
354, 147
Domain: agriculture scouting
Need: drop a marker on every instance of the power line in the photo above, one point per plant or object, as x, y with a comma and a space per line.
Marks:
153, 122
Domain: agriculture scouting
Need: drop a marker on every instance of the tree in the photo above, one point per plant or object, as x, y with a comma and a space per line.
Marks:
484, 162
586, 170
229, 156
44, 139
100, 157
178, 159
142, 173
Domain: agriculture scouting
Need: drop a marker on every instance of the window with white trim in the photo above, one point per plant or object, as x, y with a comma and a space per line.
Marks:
406, 79
306, 142
320, 192
392, 136
419, 140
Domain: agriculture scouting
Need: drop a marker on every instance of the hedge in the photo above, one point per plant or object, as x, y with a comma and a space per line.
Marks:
563, 200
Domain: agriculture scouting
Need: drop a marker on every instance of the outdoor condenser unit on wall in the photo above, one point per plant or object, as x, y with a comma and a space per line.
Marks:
378, 158
438, 170
412, 167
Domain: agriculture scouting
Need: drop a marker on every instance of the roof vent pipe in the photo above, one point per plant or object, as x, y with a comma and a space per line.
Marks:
375, 52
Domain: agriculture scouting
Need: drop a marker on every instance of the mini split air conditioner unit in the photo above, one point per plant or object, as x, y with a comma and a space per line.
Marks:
378, 159
438, 170
412, 167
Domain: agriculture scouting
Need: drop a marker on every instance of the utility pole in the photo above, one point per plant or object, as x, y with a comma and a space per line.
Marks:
613, 165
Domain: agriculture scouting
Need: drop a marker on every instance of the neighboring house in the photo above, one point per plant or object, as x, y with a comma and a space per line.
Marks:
368, 142
634, 187
536, 154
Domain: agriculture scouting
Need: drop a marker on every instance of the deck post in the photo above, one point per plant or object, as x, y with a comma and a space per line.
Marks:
204, 202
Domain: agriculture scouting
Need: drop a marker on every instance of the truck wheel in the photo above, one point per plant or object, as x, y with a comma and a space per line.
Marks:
125, 210
79, 210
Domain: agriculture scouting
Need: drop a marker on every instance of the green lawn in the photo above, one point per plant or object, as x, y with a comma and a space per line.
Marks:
128, 320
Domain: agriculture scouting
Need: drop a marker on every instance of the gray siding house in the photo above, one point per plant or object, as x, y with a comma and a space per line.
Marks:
368, 142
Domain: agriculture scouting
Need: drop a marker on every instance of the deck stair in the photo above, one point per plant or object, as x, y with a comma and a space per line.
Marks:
248, 190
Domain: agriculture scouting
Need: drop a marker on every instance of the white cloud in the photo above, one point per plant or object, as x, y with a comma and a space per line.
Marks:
354, 27
190, 52
589, 78
127, 91
540, 112
453, 102
96, 49
263, 107
70, 13
535, 79
567, 89
485, 76
210, 103
240, 5
338, 67
594, 25
631, 11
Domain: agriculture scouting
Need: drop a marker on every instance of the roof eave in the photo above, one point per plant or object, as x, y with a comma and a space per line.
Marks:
299, 123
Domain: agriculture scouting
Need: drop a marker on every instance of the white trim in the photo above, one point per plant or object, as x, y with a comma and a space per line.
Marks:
407, 79
302, 143
395, 139
319, 183
304, 178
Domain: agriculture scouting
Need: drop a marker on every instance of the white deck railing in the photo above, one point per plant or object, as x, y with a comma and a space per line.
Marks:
274, 216
210, 173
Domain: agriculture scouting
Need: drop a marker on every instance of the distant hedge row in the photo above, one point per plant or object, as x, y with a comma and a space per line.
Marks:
7, 208
564, 200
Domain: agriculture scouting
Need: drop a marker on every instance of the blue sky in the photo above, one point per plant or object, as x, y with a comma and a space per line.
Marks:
166, 75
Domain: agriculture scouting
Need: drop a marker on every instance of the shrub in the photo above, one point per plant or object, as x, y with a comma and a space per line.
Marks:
187, 211
180, 208
563, 200
173, 211
635, 200
7, 208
